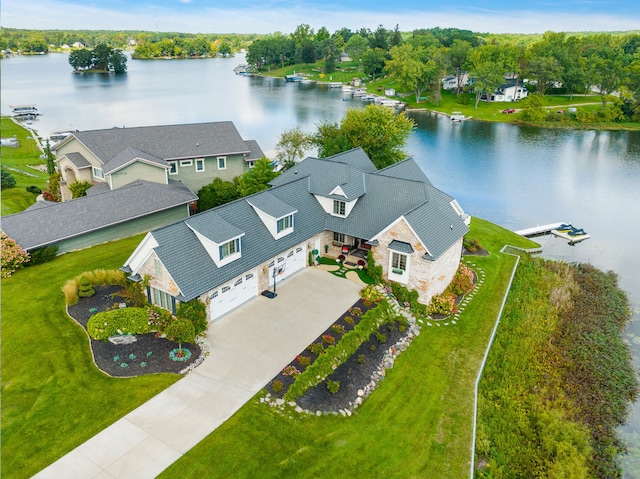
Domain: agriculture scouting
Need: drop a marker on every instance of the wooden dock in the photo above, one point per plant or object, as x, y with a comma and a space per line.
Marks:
562, 230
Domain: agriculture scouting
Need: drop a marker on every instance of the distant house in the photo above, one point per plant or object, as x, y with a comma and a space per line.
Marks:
230, 254
143, 178
509, 91
451, 82
194, 154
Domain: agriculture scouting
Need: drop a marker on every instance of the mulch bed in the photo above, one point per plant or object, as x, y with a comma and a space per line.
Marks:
353, 375
148, 355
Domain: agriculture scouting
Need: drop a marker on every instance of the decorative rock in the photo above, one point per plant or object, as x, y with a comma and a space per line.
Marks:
318, 413
360, 392
298, 409
358, 401
292, 403
122, 339
280, 402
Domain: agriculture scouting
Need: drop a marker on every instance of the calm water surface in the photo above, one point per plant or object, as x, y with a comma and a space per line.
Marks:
515, 176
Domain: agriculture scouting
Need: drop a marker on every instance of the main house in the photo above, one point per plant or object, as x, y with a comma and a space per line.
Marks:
230, 254
193, 154
142, 178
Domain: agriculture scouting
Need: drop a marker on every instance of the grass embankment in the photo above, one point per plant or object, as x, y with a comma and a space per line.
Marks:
53, 396
418, 423
15, 160
559, 379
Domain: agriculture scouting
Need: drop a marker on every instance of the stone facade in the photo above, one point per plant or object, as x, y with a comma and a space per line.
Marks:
427, 277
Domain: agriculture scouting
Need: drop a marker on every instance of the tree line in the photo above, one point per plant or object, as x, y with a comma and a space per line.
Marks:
102, 58
554, 62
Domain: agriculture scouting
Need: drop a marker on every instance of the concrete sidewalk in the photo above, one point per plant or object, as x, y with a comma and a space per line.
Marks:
249, 346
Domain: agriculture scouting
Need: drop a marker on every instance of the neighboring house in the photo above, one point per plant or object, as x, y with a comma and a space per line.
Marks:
195, 154
510, 91
451, 82
100, 216
230, 254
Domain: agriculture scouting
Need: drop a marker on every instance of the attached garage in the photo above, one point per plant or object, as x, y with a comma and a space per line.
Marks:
233, 294
286, 264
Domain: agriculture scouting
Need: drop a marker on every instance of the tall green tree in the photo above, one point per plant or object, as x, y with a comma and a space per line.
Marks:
458, 54
487, 68
257, 178
373, 62
216, 193
376, 129
412, 69
356, 47
292, 146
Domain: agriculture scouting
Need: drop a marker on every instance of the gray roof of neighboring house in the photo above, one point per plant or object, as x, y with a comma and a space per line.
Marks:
129, 155
78, 160
54, 222
166, 141
255, 152
387, 198
408, 170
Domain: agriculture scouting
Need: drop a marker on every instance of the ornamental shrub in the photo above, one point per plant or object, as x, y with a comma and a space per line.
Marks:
442, 304
181, 331
8, 181
12, 256
33, 189
373, 270
333, 386
277, 386
42, 255
303, 360
316, 348
118, 321
196, 312
85, 289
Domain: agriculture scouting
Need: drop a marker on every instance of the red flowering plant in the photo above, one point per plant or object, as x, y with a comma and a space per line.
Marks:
303, 360
13, 257
327, 338
291, 371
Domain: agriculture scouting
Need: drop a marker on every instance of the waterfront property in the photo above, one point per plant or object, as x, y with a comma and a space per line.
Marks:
142, 178
194, 154
230, 254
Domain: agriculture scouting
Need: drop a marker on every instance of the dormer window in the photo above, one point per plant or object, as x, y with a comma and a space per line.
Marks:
339, 207
97, 172
230, 248
285, 223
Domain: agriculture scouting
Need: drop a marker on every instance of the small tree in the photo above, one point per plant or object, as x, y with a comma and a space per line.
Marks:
181, 331
8, 181
292, 146
85, 289
196, 312
12, 256
54, 187
257, 178
79, 188
51, 166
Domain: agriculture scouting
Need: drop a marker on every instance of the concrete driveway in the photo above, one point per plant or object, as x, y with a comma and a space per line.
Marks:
249, 346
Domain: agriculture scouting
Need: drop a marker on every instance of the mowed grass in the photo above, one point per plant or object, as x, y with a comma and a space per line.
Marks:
418, 423
15, 160
53, 396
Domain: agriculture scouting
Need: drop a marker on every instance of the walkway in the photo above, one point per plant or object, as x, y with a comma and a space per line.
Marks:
249, 346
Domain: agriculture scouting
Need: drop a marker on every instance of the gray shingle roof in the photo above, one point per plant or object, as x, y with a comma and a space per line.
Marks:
271, 205
214, 227
78, 160
255, 152
389, 196
401, 247
166, 142
406, 169
127, 156
55, 222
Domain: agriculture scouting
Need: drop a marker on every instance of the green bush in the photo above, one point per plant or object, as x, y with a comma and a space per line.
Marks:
333, 386
118, 321
42, 255
8, 181
85, 289
277, 386
361, 358
33, 189
373, 270
381, 337
316, 348
196, 312
348, 320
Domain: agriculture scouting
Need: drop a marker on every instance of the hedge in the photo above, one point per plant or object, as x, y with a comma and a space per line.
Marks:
119, 321
334, 356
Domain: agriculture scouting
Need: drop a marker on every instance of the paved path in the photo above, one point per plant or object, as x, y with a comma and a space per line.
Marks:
249, 346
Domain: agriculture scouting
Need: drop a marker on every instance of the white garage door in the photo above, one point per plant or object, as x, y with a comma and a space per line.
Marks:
232, 295
287, 264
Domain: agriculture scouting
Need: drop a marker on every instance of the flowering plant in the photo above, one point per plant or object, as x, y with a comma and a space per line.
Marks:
12, 256
291, 371
327, 338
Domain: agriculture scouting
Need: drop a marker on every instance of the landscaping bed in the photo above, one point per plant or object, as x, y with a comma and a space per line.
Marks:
148, 355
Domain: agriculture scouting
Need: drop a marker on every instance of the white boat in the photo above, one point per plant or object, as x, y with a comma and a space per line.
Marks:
457, 117
347, 88
25, 112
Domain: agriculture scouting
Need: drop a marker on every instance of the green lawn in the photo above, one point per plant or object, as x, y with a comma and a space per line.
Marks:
53, 396
15, 160
418, 423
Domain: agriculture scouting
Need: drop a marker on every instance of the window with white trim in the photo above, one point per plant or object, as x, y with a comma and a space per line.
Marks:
222, 162
285, 223
173, 167
97, 172
251, 164
399, 263
230, 248
339, 208
186, 162
200, 164
162, 299
339, 237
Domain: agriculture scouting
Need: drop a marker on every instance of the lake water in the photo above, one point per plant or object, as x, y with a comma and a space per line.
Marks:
514, 176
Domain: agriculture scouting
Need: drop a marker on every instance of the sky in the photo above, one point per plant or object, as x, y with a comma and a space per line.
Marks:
255, 16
